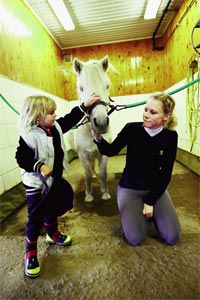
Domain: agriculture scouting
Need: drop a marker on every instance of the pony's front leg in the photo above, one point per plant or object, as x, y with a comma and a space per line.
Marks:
88, 171
103, 177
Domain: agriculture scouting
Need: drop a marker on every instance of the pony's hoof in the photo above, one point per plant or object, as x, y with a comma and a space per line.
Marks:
89, 201
106, 199
106, 196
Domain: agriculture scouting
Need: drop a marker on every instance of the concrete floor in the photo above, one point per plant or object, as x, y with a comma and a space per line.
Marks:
100, 264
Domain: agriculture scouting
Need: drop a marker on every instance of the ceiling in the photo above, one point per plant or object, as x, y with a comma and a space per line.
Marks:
100, 22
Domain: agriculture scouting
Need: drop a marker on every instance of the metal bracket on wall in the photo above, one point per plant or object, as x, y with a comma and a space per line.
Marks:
195, 45
159, 48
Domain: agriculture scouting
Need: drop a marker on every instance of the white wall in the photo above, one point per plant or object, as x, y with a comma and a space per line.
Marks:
183, 123
15, 93
120, 118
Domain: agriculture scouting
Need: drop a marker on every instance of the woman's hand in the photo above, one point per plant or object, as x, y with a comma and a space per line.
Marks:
97, 137
148, 211
93, 98
45, 171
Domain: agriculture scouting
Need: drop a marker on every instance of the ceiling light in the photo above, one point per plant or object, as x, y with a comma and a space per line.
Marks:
62, 14
152, 9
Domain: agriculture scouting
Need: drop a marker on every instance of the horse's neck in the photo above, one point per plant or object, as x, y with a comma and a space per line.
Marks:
86, 128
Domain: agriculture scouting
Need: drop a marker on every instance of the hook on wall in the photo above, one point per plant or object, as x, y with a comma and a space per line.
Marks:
196, 47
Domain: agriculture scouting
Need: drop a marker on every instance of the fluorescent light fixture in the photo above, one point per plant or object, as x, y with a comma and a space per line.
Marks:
62, 14
152, 9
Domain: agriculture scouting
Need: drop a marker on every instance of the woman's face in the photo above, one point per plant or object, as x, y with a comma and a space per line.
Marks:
153, 115
48, 120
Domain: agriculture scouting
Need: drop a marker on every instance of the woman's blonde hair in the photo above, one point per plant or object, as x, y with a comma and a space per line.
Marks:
168, 105
33, 107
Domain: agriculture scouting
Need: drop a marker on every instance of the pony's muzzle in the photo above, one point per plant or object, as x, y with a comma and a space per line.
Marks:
103, 127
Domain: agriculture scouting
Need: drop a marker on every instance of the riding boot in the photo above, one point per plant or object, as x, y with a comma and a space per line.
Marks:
54, 237
32, 268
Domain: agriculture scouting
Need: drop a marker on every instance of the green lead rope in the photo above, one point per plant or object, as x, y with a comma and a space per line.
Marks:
170, 93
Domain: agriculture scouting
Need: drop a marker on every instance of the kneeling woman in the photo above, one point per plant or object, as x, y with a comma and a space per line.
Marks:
151, 151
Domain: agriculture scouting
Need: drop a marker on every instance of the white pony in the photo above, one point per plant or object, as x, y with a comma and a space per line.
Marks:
91, 77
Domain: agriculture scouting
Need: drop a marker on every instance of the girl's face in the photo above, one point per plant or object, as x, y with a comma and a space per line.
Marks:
48, 120
153, 115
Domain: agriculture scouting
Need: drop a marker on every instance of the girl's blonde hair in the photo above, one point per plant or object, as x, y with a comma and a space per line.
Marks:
168, 105
33, 107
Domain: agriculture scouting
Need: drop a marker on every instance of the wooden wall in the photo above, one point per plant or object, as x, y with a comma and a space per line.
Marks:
134, 67
30, 56
179, 50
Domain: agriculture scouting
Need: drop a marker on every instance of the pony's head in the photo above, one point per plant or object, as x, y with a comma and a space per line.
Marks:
92, 78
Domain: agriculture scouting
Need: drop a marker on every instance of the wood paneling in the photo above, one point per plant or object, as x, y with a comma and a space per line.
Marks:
179, 50
29, 55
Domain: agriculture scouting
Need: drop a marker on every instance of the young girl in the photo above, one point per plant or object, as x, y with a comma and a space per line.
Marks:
41, 156
151, 152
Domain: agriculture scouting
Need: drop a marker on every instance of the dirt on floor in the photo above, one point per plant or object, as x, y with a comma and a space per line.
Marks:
100, 264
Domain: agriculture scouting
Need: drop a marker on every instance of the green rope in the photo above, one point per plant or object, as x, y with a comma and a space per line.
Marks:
184, 86
4, 99
170, 93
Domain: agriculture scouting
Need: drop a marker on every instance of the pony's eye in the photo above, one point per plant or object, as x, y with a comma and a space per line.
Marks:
107, 87
81, 88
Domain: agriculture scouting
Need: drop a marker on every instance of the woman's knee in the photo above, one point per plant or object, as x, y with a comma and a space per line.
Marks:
173, 238
135, 239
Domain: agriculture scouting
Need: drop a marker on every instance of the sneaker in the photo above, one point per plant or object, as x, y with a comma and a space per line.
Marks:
32, 268
61, 240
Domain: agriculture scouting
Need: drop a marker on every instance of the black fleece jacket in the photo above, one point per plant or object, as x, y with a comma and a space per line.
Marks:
149, 160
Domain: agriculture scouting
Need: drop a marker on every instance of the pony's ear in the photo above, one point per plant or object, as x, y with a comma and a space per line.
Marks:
105, 63
78, 65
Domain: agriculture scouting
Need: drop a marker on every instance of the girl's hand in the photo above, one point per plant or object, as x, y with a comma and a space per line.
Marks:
93, 98
45, 170
97, 137
148, 211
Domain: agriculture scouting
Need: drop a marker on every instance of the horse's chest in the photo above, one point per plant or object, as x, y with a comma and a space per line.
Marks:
83, 139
